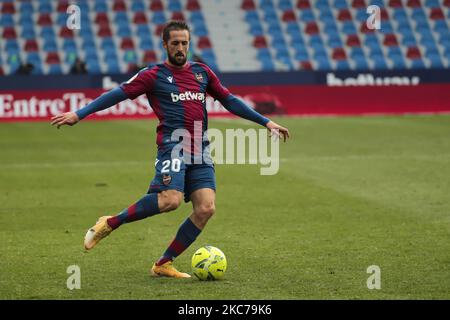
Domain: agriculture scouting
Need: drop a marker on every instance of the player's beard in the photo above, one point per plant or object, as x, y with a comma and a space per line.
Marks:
176, 59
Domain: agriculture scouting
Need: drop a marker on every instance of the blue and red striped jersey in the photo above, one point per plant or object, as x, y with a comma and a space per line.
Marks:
176, 95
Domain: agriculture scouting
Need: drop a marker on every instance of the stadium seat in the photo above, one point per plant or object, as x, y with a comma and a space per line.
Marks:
55, 69
9, 33
31, 45
52, 58
119, 5
303, 4
7, 20
156, 5
12, 47
8, 8
140, 18
299, 34
193, 5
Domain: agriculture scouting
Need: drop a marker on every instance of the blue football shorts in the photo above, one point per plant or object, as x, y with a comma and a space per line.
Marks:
176, 174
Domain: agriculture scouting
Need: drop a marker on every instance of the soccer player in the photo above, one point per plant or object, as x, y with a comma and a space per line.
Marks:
176, 91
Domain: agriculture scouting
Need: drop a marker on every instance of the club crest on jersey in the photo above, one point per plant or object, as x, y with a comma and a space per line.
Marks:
166, 179
170, 78
199, 76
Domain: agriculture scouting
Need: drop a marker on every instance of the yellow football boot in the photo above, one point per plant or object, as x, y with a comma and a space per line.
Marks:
97, 233
167, 270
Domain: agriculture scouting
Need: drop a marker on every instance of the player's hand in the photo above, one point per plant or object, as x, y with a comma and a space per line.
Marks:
276, 130
68, 118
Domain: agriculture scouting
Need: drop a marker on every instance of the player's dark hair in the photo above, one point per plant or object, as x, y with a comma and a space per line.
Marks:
174, 25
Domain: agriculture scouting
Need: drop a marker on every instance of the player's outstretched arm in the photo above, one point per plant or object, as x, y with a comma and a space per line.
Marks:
241, 109
277, 130
105, 101
66, 118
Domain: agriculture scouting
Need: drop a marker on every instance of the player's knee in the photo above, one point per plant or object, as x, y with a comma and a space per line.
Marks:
169, 200
205, 211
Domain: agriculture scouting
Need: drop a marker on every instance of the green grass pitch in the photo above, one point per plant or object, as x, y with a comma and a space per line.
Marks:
351, 192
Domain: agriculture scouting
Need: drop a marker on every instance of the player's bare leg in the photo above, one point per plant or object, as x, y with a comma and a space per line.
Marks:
203, 202
149, 205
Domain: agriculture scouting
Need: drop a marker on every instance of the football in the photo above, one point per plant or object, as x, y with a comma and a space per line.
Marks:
209, 263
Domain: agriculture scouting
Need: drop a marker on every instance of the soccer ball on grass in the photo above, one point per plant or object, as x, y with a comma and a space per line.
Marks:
209, 263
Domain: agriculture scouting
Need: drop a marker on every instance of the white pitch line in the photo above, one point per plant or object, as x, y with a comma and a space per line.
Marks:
71, 164
62, 164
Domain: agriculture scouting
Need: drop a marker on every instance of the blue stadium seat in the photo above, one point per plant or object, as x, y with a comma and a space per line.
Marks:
70, 57
323, 64
158, 17
197, 16
340, 4
394, 52
137, 5
349, 28
201, 31
26, 8
266, 4
45, 6
334, 42
255, 23
292, 28
417, 64
379, 3
26, 21
409, 41
285, 5
342, 65
6, 20
91, 57
107, 43
398, 61
208, 54
47, 33
130, 56
50, 46
143, 31
321, 4
37, 69
93, 66
361, 63
69, 45
124, 30
12, 47
432, 3
250, 16
91, 52
379, 62
267, 64
55, 69
146, 44
399, 14
361, 15
386, 27
274, 29
28, 33
307, 15
174, 5
100, 6
34, 58
440, 26
301, 55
